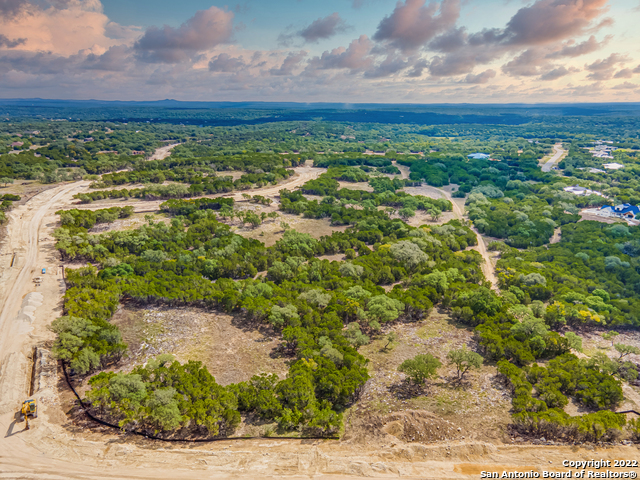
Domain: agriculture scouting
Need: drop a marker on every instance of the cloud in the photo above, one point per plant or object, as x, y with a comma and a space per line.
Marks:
604, 69
626, 86
418, 68
526, 63
324, 28
637, 69
392, 64
548, 21
449, 41
557, 73
412, 23
113, 60
355, 57
624, 73
203, 31
5, 42
61, 27
571, 49
480, 78
289, 64
11, 8
36, 63
226, 63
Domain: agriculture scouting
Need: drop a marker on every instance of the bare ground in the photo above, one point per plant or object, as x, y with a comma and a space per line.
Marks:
478, 406
232, 348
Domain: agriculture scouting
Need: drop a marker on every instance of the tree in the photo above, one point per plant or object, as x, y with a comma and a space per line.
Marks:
408, 253
355, 336
420, 368
384, 309
163, 409
316, 297
406, 213
611, 335
283, 315
390, 338
348, 269
434, 214
5, 180
625, 350
464, 360
575, 342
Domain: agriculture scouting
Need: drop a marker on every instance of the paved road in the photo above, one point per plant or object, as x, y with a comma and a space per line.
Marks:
559, 152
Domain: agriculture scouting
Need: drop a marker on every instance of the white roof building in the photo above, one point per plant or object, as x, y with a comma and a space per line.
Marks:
581, 191
612, 166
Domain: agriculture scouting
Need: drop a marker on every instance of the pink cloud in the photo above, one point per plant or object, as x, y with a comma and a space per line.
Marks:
412, 23
203, 31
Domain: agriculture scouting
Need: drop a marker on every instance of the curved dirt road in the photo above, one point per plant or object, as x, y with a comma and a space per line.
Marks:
303, 175
458, 211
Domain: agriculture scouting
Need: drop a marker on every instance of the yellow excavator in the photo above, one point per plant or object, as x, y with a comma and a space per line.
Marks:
29, 408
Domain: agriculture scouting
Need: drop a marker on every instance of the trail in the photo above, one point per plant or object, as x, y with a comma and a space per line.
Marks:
559, 153
302, 175
162, 152
458, 211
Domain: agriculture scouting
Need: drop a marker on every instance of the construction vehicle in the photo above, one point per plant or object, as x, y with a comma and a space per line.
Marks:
29, 408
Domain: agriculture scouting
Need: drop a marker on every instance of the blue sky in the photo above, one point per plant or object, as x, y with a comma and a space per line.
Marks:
302, 50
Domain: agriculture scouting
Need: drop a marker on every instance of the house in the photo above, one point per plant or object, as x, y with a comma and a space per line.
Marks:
626, 210
479, 156
581, 191
613, 166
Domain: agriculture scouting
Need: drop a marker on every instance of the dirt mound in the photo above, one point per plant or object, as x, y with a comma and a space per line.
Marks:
406, 426
419, 426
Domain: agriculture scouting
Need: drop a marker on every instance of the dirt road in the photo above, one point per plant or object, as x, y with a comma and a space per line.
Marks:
162, 152
302, 175
557, 156
458, 210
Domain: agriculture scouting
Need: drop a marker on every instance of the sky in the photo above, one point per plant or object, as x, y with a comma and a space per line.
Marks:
346, 51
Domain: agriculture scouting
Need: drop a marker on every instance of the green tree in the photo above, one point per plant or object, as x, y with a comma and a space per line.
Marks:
384, 309
390, 338
625, 350
420, 368
281, 316
354, 335
5, 180
575, 342
464, 360
163, 409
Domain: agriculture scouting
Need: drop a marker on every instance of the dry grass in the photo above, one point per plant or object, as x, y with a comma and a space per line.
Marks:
478, 405
232, 350
271, 231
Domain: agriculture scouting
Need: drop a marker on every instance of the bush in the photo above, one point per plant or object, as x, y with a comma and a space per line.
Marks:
420, 368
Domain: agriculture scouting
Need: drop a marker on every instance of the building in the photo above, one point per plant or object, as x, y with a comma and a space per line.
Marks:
613, 166
580, 191
626, 211
479, 156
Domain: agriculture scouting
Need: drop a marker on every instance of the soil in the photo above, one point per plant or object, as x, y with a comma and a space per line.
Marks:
232, 349
478, 405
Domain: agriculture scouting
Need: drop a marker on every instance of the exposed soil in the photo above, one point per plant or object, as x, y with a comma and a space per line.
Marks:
232, 349
478, 405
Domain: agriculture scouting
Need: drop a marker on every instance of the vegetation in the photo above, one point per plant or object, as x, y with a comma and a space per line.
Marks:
324, 311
